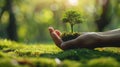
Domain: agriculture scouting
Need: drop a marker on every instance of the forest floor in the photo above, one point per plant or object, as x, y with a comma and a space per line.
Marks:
13, 54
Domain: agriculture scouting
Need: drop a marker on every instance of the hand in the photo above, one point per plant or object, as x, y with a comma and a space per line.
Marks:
86, 40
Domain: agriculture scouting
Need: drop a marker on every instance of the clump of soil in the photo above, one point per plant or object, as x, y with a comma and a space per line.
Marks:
69, 36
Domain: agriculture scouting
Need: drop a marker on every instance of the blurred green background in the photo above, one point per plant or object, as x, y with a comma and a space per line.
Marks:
28, 20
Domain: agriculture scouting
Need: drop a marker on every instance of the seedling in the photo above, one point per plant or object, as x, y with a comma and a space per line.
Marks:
72, 17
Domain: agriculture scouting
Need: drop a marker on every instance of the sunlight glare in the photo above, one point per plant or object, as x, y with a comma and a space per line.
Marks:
73, 2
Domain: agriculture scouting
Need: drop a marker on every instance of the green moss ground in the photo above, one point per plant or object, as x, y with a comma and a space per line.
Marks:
14, 54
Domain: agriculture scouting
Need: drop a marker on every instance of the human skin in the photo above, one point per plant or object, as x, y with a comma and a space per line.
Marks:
88, 40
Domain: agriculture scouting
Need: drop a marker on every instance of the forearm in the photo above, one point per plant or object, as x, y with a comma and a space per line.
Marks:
99, 39
112, 40
111, 32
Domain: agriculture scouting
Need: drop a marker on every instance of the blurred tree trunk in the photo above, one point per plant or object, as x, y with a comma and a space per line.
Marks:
104, 19
11, 29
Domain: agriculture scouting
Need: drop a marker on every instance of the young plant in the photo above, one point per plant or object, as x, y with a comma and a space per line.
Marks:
72, 17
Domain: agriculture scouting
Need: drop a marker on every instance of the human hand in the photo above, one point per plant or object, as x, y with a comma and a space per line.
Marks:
86, 40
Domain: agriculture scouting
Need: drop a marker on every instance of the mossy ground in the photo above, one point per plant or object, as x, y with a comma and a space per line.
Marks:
69, 36
14, 54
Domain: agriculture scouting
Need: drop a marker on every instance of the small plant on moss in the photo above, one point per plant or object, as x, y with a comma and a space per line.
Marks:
69, 36
73, 17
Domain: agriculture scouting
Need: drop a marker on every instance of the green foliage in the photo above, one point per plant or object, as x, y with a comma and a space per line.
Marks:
73, 17
34, 16
14, 54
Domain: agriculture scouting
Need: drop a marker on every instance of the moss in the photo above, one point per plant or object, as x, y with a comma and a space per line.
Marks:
43, 62
103, 62
6, 62
69, 36
41, 55
68, 63
2, 55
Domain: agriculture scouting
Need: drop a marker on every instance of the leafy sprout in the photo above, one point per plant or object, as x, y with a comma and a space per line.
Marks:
73, 17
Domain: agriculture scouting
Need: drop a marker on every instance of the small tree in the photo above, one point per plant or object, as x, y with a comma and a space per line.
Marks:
73, 17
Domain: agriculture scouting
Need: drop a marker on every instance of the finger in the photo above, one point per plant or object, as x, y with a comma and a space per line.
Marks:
56, 39
51, 29
58, 32
55, 36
